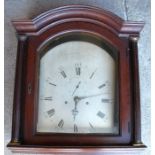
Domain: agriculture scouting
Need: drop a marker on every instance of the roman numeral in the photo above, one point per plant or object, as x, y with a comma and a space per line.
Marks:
101, 86
47, 98
61, 123
100, 114
52, 84
75, 128
91, 125
106, 100
92, 74
51, 112
78, 69
62, 72
49, 81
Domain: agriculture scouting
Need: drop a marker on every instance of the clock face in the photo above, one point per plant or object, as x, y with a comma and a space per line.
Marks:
77, 90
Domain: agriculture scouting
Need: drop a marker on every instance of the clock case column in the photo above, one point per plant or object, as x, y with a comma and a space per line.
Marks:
133, 43
18, 103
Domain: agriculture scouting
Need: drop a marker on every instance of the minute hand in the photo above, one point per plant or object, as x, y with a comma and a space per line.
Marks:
84, 97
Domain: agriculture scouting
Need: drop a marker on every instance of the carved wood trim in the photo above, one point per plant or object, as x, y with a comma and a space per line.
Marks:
78, 13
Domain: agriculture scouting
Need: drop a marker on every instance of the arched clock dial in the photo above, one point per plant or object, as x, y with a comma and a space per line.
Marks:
77, 89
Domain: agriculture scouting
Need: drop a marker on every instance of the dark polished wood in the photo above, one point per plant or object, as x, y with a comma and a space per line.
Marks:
57, 26
18, 90
136, 93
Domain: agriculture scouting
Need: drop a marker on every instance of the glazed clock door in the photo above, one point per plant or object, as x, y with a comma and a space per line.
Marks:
77, 89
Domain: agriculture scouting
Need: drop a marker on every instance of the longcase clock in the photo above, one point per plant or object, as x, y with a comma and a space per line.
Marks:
77, 84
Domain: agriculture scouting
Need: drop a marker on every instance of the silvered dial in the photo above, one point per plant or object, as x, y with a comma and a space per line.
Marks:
77, 89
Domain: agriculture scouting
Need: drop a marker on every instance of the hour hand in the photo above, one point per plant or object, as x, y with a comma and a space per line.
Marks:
77, 86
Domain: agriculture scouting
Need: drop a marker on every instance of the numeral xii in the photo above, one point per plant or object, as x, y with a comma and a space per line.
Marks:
78, 69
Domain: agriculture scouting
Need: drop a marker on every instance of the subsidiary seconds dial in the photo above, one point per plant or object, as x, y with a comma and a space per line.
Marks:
76, 89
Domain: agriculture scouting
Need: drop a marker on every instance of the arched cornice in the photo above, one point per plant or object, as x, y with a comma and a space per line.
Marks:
71, 13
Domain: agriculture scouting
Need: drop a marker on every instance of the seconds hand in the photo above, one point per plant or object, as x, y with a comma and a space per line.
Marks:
75, 111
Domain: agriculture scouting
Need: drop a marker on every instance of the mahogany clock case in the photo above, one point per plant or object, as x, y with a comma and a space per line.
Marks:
69, 23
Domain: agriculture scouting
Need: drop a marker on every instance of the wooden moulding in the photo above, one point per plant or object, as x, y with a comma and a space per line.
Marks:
96, 151
77, 13
32, 34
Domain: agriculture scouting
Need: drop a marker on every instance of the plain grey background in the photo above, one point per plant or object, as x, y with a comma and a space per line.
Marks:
135, 10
